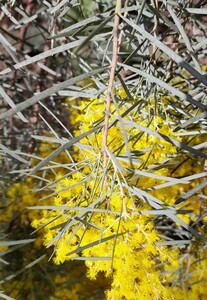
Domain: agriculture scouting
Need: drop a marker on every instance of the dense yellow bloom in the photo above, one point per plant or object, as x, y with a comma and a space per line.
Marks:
116, 236
107, 219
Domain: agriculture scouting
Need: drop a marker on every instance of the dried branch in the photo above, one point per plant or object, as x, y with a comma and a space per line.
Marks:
111, 80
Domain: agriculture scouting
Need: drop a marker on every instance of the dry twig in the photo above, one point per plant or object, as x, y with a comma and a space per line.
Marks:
111, 80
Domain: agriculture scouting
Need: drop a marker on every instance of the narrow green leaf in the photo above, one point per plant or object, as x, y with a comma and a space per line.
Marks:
13, 154
63, 147
92, 34
11, 103
166, 86
174, 243
18, 242
155, 203
160, 177
192, 192
22, 270
92, 258
170, 140
97, 242
199, 117
74, 208
36, 261
3, 296
173, 55
40, 56
48, 92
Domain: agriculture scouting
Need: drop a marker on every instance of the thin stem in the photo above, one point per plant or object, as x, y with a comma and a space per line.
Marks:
111, 81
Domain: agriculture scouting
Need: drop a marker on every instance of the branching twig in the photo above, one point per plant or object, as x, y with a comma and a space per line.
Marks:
111, 80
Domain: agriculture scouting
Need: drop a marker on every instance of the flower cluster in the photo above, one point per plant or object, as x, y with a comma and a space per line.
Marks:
42, 281
105, 216
21, 194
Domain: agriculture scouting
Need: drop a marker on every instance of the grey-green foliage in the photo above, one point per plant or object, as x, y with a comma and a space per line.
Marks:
69, 41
